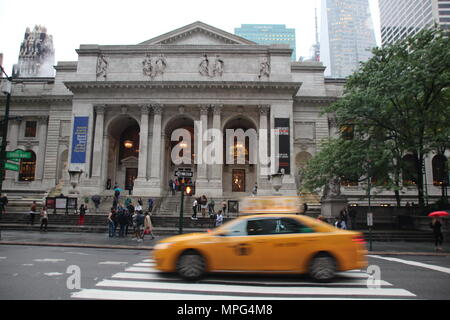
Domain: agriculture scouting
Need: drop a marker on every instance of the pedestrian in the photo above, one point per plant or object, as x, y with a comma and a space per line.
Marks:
344, 216
224, 207
211, 205
139, 207
305, 208
3, 204
138, 221
82, 213
204, 205
129, 219
340, 223
148, 226
171, 187
123, 221
150, 204
96, 200
219, 218
44, 219
436, 225
33, 212
194, 209
111, 218
255, 189
128, 201
119, 208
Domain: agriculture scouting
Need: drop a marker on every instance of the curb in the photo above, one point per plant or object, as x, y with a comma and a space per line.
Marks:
100, 246
73, 245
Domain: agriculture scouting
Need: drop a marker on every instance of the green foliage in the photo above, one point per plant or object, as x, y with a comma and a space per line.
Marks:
397, 103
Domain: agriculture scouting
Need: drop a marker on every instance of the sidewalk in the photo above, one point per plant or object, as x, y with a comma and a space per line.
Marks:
102, 240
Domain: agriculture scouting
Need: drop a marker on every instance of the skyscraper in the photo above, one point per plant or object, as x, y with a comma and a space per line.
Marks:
37, 55
402, 18
268, 34
347, 36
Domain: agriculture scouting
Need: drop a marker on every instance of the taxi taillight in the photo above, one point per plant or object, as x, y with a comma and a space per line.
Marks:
359, 239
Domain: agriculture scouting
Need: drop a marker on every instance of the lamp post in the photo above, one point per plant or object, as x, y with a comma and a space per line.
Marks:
277, 181
6, 89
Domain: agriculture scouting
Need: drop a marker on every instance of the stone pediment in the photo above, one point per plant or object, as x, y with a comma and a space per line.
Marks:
198, 33
130, 162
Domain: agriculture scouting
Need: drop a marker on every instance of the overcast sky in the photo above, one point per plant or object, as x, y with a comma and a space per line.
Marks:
109, 22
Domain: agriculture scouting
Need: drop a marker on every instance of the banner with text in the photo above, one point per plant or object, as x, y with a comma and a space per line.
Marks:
282, 133
79, 139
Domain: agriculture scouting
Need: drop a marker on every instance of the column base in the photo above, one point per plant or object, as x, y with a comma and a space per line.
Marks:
147, 188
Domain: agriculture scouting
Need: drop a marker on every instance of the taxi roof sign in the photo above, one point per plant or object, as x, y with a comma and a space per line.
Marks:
270, 204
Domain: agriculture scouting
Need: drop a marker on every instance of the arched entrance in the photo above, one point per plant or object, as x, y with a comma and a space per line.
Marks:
123, 151
179, 154
240, 154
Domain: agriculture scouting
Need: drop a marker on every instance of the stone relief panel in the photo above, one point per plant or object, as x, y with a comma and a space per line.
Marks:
207, 69
264, 68
102, 67
154, 67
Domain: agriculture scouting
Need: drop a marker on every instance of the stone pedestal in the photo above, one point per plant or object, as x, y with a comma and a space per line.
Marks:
331, 207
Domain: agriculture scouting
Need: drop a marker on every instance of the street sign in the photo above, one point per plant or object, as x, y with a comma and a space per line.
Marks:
369, 219
11, 166
18, 154
184, 174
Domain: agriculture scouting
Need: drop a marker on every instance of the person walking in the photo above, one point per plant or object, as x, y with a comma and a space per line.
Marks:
255, 189
123, 221
111, 218
211, 205
224, 207
436, 225
219, 218
148, 226
138, 221
82, 213
44, 219
150, 204
171, 187
3, 204
204, 205
33, 212
194, 209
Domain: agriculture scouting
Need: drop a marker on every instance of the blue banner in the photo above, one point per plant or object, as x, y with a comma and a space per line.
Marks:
79, 139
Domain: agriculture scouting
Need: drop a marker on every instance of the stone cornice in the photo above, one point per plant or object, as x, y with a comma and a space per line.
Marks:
80, 86
39, 98
313, 99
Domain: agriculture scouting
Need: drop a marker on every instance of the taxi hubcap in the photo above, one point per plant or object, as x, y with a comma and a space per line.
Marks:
323, 268
191, 266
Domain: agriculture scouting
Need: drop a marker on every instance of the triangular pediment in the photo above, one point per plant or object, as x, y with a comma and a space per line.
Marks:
197, 33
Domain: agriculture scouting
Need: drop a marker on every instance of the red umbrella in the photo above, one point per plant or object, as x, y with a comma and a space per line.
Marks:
438, 214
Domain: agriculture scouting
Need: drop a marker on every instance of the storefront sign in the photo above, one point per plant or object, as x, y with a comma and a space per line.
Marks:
79, 139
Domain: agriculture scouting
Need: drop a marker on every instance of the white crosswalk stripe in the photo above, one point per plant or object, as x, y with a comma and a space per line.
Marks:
143, 282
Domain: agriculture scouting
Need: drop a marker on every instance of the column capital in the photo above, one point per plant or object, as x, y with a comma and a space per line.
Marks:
264, 108
42, 119
204, 109
99, 108
145, 109
217, 109
157, 108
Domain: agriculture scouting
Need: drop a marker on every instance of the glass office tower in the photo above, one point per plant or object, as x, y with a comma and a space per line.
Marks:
401, 18
268, 34
347, 36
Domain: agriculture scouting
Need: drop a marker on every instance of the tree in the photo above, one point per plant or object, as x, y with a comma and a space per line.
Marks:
401, 96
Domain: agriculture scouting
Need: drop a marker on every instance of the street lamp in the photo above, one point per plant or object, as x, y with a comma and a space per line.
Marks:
277, 181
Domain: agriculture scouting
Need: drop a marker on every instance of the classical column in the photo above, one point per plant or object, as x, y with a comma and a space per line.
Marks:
40, 158
104, 176
13, 137
263, 147
156, 144
98, 142
202, 128
218, 143
143, 142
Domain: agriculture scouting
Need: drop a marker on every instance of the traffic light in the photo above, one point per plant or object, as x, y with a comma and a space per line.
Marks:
189, 190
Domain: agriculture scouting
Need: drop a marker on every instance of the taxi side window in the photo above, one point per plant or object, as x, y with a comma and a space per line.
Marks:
294, 226
276, 226
239, 229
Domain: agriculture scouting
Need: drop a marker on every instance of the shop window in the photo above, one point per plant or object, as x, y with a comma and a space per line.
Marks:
27, 168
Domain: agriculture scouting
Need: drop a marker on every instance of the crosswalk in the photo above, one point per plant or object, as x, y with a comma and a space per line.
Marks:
143, 282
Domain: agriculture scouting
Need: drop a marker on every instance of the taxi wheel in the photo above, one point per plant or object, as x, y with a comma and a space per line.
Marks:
191, 265
322, 267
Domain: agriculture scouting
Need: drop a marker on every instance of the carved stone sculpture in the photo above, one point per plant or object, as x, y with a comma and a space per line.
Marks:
102, 66
264, 68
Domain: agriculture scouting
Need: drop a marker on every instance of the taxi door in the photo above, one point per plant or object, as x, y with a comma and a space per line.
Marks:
235, 250
287, 244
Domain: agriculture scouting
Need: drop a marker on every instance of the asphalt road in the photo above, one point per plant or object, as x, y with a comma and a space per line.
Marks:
48, 273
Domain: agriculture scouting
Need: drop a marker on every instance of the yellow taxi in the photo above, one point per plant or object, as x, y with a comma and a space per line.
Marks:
264, 243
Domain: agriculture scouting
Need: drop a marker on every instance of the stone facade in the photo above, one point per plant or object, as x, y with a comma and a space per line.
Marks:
196, 78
